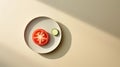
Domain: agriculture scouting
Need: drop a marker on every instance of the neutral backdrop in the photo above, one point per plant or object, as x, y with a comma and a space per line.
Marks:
93, 28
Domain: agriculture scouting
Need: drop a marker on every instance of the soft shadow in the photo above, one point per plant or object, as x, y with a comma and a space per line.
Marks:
11, 58
64, 46
2, 64
102, 14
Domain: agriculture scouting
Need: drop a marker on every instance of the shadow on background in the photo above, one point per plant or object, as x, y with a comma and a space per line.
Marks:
64, 46
102, 14
11, 58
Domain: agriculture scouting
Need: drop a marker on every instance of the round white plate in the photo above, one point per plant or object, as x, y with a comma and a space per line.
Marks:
46, 24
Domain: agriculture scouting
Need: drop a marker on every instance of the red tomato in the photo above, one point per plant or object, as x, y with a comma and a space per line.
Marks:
40, 37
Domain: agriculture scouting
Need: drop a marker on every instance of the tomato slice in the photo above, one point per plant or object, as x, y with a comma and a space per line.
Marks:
40, 37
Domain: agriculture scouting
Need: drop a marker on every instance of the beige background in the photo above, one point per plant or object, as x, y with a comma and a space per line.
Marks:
93, 29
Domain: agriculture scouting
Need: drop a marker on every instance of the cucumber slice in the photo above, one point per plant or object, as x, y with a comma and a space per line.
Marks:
55, 32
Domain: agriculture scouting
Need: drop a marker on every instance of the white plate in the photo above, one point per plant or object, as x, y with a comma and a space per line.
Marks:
46, 24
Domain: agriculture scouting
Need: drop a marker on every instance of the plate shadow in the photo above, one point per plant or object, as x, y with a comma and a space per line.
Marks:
64, 46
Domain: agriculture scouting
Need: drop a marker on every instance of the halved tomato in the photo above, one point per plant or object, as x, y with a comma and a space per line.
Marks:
40, 37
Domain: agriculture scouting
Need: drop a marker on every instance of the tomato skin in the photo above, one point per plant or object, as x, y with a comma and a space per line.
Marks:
40, 37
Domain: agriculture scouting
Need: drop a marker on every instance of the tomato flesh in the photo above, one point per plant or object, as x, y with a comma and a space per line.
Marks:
40, 37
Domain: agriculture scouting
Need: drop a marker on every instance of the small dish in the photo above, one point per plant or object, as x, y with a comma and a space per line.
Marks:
47, 24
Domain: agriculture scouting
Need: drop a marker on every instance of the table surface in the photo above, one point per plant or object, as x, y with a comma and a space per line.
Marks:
85, 44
